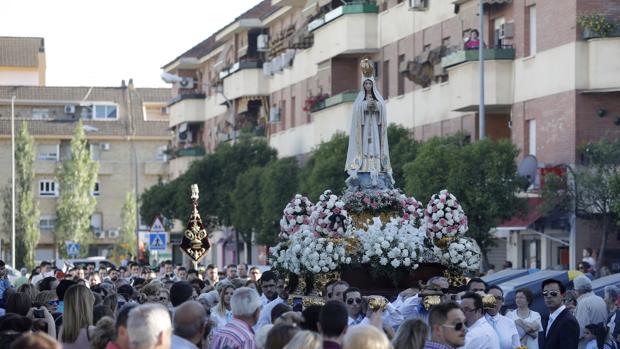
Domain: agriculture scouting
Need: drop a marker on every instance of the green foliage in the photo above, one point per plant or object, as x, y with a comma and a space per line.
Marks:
592, 189
403, 149
246, 202
482, 175
77, 177
279, 183
127, 234
596, 22
325, 168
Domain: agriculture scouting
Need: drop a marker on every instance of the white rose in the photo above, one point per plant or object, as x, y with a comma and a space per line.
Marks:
407, 262
383, 261
395, 263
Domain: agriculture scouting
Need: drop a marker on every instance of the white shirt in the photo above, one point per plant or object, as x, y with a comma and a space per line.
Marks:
265, 313
532, 317
181, 343
506, 331
591, 309
264, 300
221, 319
41, 276
481, 336
357, 321
553, 316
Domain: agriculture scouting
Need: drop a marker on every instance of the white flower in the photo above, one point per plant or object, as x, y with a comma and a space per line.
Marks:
383, 261
395, 263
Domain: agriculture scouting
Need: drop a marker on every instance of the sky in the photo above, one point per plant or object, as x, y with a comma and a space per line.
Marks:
100, 43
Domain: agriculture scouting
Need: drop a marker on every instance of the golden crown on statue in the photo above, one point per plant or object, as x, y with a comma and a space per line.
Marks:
368, 69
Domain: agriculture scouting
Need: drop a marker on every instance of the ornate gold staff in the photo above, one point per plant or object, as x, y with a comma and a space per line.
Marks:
195, 238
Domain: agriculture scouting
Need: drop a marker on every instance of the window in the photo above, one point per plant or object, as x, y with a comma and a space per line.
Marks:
401, 77
532, 29
47, 152
283, 113
96, 189
48, 188
40, 114
386, 79
105, 112
162, 153
96, 222
498, 32
47, 223
95, 151
532, 136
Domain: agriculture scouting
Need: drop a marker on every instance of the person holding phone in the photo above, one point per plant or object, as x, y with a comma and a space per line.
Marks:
42, 318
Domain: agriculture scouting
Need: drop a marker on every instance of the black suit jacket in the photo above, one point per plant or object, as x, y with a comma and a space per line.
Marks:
563, 334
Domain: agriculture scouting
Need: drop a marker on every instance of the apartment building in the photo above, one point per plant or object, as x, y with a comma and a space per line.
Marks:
127, 130
22, 61
288, 70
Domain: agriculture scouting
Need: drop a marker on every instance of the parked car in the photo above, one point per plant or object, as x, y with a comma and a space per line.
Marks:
96, 261
534, 283
506, 275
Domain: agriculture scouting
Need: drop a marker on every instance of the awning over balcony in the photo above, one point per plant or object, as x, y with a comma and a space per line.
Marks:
497, 1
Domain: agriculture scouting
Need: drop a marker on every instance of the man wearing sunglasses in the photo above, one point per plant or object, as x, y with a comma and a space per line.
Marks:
504, 327
447, 323
560, 328
353, 301
480, 335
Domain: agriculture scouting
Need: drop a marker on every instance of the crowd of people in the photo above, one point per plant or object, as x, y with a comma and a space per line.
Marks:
139, 307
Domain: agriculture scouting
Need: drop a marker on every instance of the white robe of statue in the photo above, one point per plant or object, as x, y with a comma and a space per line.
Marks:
368, 143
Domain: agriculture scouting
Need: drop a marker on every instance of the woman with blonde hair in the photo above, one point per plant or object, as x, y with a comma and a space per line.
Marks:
411, 334
222, 314
305, 340
365, 337
77, 324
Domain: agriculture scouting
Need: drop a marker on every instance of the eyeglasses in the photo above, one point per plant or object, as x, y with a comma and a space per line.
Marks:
52, 303
457, 326
356, 300
550, 293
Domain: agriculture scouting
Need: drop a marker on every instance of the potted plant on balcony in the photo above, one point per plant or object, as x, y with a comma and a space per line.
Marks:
314, 103
596, 25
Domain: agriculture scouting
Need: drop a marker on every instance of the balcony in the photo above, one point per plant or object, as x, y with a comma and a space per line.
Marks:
603, 64
347, 29
187, 108
464, 79
195, 150
345, 97
245, 79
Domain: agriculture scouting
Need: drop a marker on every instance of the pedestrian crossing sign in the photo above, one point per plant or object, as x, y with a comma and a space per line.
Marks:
157, 241
157, 226
73, 248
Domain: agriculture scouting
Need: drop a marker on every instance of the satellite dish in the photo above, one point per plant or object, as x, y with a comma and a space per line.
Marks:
528, 168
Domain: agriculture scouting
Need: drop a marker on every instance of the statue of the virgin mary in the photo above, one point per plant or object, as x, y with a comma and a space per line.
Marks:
368, 151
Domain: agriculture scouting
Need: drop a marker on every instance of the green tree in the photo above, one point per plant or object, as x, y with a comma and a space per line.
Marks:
246, 204
325, 168
403, 150
28, 212
127, 235
77, 177
591, 190
279, 183
482, 175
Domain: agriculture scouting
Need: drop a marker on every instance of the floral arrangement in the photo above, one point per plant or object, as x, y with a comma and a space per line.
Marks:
312, 102
597, 23
295, 216
372, 200
305, 252
329, 216
412, 210
444, 217
462, 253
394, 244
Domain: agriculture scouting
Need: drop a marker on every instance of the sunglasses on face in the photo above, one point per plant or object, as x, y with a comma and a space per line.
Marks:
52, 303
457, 326
356, 300
551, 293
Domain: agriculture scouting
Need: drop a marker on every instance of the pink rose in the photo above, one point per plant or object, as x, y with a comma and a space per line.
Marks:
297, 229
435, 209
322, 214
336, 210
367, 200
374, 205
359, 194
306, 220
442, 221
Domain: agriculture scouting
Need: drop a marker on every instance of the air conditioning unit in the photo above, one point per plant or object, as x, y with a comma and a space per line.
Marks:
113, 234
104, 146
418, 5
507, 30
274, 114
186, 83
99, 234
70, 109
262, 43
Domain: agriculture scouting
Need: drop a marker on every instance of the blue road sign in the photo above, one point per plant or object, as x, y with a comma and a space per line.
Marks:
73, 249
157, 241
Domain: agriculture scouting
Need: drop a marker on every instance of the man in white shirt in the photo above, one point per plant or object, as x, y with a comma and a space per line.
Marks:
353, 301
46, 271
480, 335
504, 327
591, 309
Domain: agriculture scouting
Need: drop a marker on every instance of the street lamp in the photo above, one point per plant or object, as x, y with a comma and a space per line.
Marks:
481, 111
13, 181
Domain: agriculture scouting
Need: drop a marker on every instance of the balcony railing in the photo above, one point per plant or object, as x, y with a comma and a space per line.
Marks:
197, 150
353, 7
253, 64
463, 56
344, 97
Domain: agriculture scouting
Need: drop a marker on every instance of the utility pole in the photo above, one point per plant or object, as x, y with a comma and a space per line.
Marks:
481, 111
13, 181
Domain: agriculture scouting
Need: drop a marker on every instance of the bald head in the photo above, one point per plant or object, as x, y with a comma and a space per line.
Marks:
189, 321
